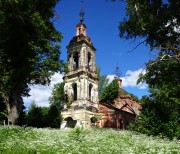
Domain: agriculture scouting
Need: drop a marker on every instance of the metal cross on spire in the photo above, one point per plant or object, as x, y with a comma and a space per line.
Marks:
117, 71
82, 11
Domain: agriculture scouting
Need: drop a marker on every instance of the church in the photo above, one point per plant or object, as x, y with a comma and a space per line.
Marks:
84, 109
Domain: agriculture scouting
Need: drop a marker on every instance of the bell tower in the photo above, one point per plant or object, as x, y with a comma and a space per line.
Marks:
81, 81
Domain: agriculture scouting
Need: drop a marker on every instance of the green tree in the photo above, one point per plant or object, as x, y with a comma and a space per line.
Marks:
41, 117
54, 116
156, 22
163, 79
29, 50
148, 122
33, 116
57, 101
103, 82
3, 112
57, 97
37, 116
110, 92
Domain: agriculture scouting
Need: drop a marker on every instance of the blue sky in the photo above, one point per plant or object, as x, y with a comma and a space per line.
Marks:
102, 19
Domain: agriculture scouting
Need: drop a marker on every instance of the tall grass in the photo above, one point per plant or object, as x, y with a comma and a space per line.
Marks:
78, 141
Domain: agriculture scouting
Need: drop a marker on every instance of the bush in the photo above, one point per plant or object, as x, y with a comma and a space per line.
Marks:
153, 121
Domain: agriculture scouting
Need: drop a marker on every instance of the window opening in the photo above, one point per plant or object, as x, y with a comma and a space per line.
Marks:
76, 60
90, 93
75, 92
89, 60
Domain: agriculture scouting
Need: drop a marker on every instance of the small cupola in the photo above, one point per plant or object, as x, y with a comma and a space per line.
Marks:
81, 27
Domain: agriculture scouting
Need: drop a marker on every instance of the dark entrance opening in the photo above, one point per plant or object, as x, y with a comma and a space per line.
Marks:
93, 121
70, 122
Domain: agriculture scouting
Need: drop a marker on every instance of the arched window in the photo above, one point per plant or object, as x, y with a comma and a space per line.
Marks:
90, 91
89, 60
76, 60
75, 91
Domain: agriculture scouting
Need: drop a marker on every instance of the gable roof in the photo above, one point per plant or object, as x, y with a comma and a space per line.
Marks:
109, 105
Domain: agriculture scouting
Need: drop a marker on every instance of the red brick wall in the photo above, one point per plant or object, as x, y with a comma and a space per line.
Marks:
114, 118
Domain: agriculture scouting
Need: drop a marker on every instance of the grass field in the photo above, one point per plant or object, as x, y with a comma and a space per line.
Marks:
77, 141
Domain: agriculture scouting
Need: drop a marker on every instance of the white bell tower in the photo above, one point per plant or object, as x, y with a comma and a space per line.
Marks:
81, 81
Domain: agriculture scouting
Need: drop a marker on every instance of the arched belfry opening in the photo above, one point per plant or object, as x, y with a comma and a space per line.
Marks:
90, 92
89, 61
74, 91
76, 60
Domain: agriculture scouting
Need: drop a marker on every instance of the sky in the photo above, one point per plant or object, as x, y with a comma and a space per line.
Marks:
102, 18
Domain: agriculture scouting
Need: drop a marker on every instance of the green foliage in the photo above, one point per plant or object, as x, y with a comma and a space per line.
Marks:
157, 23
68, 104
134, 97
54, 118
103, 82
57, 96
3, 111
98, 70
30, 140
154, 120
3, 117
29, 47
41, 117
162, 107
124, 94
110, 92
37, 116
77, 134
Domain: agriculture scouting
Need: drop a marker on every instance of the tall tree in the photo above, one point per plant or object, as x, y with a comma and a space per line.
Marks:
57, 97
54, 116
29, 50
110, 92
41, 117
157, 23
37, 116
103, 82
3, 112
57, 101
163, 79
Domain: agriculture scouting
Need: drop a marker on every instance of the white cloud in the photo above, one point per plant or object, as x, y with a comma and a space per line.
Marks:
40, 94
130, 79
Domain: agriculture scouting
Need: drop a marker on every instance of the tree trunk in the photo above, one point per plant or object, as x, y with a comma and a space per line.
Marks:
12, 108
14, 114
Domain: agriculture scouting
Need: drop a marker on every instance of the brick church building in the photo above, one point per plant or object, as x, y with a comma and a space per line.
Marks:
81, 89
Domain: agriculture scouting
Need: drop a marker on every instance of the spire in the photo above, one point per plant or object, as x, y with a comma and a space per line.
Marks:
81, 14
117, 71
81, 27
117, 76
